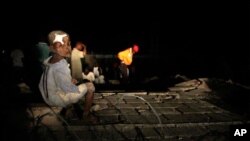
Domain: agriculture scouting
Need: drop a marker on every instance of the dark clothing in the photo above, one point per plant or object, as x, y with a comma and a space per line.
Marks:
124, 70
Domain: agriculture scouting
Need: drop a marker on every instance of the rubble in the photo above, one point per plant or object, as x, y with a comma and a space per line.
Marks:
184, 112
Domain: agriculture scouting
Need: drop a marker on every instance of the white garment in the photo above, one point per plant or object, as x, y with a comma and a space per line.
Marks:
96, 71
76, 64
17, 56
100, 80
56, 85
90, 76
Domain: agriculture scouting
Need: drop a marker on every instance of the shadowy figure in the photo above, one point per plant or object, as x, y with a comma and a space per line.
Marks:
43, 51
17, 56
34, 64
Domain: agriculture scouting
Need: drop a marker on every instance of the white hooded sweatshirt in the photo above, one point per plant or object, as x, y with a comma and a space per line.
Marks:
56, 85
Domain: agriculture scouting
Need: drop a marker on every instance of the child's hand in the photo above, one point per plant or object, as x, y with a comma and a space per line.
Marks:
74, 81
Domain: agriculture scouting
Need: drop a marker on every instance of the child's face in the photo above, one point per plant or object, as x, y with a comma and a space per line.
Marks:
63, 49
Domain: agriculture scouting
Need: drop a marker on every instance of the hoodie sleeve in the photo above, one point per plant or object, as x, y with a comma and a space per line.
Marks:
64, 81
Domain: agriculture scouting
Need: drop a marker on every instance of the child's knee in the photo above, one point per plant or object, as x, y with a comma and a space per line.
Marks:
90, 87
83, 89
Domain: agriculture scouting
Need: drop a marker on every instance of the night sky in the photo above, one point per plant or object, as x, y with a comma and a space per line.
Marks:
181, 34
196, 39
105, 26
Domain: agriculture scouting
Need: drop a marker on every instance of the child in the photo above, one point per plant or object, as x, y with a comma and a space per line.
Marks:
56, 84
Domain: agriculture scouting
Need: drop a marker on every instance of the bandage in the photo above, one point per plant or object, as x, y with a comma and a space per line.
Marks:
59, 38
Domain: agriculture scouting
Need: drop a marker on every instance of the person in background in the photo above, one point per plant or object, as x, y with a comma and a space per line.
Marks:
126, 59
93, 75
42, 50
17, 56
99, 76
78, 53
56, 84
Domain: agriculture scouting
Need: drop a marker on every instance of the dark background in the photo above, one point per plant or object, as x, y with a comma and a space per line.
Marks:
197, 39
